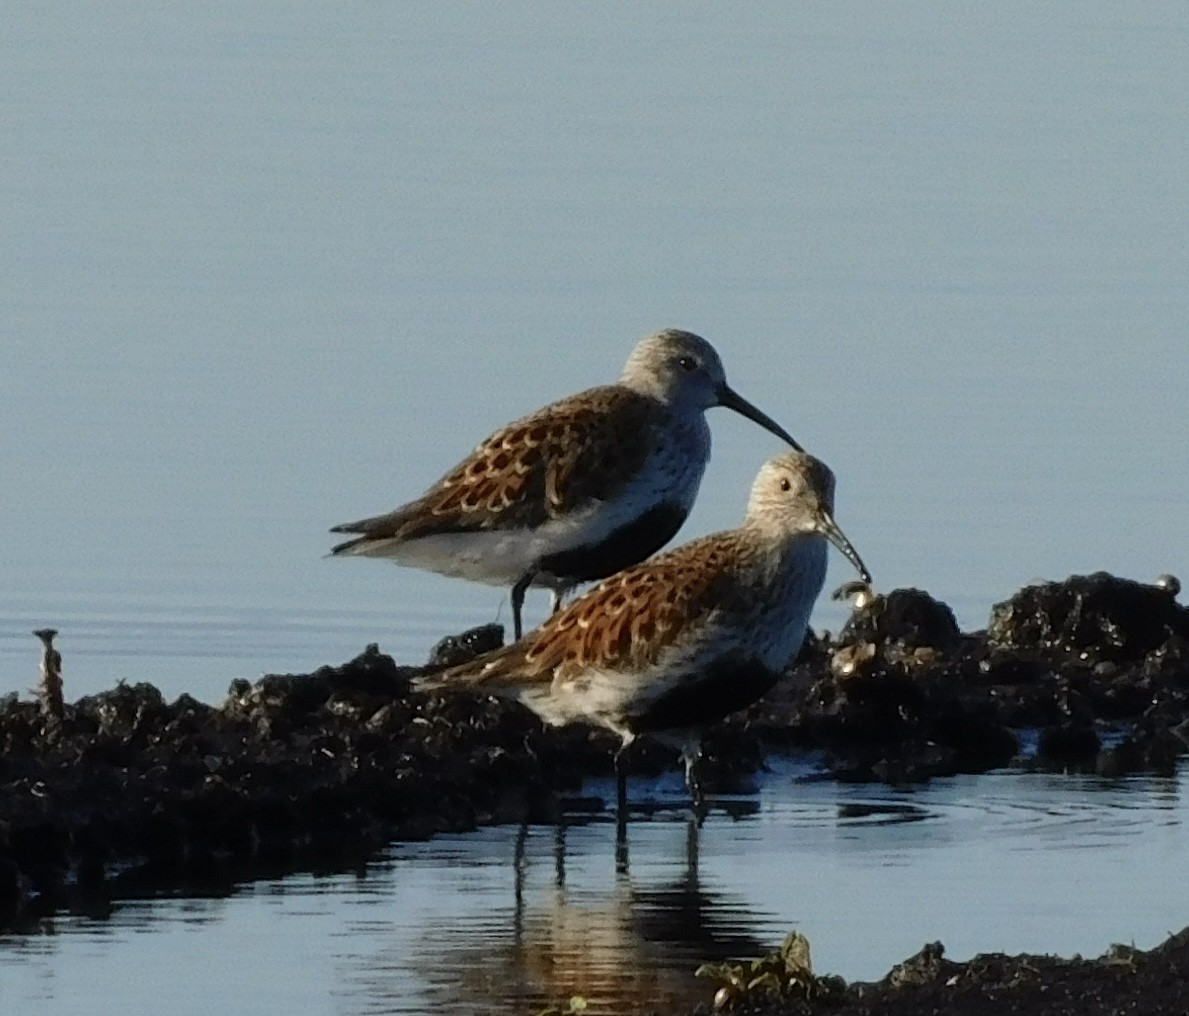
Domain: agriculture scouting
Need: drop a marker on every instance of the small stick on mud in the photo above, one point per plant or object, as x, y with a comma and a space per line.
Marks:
49, 690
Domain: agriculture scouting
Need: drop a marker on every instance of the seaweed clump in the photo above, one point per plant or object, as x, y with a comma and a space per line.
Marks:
1094, 671
783, 974
294, 772
1123, 980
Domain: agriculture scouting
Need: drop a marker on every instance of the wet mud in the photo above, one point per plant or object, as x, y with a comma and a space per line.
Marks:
1122, 980
124, 793
1094, 669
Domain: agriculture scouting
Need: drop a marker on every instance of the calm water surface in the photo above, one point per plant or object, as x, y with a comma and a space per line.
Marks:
1004, 862
265, 268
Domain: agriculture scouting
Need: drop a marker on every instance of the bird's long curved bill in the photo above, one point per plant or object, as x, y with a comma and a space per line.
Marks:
829, 529
733, 400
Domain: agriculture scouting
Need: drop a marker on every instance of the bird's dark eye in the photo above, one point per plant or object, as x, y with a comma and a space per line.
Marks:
785, 485
686, 362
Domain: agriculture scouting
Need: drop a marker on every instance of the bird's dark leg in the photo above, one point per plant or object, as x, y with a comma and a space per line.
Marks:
621, 811
621, 782
559, 853
518, 592
556, 598
519, 866
690, 755
621, 844
692, 832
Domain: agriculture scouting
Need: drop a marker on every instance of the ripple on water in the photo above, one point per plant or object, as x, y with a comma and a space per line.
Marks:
507, 920
1027, 811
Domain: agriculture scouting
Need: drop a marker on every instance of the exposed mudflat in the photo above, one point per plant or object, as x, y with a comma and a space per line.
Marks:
1122, 980
320, 770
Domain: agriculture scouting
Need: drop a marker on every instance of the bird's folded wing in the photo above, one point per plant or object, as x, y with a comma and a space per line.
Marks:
578, 450
633, 618
625, 624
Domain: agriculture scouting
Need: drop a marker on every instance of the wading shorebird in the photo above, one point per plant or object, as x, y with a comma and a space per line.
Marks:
682, 640
578, 490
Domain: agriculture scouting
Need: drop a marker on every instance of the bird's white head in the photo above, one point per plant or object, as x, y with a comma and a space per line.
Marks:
684, 371
793, 494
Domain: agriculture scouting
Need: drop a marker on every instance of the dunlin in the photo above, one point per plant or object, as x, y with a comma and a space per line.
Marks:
681, 640
578, 490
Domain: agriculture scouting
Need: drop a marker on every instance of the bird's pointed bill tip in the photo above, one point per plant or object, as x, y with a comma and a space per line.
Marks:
833, 532
731, 399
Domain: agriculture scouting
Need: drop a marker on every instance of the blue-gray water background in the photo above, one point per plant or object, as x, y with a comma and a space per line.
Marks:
269, 267
265, 268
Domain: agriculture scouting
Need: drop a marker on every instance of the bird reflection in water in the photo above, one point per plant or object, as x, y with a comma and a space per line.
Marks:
622, 946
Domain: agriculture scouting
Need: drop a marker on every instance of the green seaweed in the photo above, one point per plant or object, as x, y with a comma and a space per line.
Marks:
786, 972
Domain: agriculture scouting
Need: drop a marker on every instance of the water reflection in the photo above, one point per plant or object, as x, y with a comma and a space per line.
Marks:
511, 920
630, 946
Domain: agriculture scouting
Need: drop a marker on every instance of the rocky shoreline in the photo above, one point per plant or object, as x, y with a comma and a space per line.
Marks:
125, 793
1122, 980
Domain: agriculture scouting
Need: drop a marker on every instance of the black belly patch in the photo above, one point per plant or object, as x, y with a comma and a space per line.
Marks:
731, 684
624, 547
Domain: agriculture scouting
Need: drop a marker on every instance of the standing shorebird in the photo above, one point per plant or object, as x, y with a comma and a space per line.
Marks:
578, 490
683, 639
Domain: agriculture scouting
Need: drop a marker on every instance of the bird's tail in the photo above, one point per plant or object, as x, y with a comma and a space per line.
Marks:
492, 673
339, 549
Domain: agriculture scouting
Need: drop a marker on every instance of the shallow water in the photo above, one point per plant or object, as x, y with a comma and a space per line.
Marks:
1004, 862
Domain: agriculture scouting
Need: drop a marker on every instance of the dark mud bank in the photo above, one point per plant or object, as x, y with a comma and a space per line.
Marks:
1122, 980
1093, 671
127, 793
